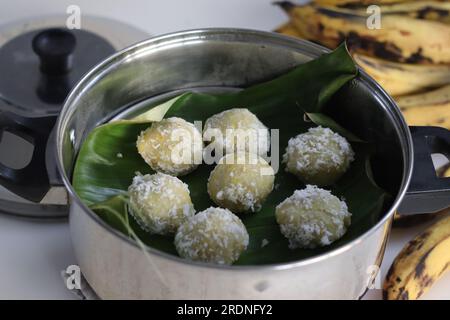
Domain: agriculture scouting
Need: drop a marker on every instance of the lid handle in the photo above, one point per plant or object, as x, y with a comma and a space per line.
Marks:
55, 49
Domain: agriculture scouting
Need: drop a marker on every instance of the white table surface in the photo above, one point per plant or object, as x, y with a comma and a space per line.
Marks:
33, 253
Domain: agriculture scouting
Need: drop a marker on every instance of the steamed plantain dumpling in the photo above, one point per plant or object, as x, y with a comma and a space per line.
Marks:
319, 156
312, 217
241, 182
214, 235
160, 202
173, 146
240, 130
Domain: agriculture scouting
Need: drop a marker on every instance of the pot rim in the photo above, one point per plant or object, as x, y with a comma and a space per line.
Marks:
202, 34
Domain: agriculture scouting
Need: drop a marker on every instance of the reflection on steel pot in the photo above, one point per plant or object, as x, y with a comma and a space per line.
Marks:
116, 267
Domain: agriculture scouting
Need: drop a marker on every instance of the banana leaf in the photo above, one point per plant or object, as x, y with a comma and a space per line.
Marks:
108, 159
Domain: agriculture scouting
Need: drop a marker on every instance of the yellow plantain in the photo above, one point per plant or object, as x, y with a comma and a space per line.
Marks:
400, 78
433, 115
289, 29
420, 263
401, 38
434, 97
428, 10
355, 2
428, 108
446, 171
396, 78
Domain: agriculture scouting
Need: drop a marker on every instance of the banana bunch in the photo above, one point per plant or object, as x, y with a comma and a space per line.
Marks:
409, 56
445, 171
420, 263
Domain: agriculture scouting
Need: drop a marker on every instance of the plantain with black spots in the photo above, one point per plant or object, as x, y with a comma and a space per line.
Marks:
420, 263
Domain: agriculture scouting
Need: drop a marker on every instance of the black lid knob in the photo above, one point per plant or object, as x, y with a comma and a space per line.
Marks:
55, 49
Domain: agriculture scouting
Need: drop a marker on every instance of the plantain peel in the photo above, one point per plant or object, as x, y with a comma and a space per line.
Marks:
401, 78
289, 29
422, 9
356, 2
422, 91
427, 108
420, 263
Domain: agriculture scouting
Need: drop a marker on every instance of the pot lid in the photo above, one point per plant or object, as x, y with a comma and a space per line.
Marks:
41, 60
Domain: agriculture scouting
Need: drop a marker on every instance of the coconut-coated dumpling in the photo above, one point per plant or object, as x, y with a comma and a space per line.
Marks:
160, 202
319, 156
312, 217
238, 123
172, 146
241, 182
214, 235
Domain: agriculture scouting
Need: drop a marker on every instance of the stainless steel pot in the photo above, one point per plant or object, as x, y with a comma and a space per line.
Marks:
117, 268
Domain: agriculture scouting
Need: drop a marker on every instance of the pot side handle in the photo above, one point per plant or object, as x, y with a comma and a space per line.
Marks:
427, 193
34, 181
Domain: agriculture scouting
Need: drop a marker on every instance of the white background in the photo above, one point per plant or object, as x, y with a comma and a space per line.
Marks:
32, 254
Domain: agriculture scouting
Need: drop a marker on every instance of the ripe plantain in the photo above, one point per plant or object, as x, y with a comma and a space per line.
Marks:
434, 97
401, 38
289, 29
428, 108
396, 78
408, 221
401, 78
355, 2
420, 263
446, 170
428, 10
